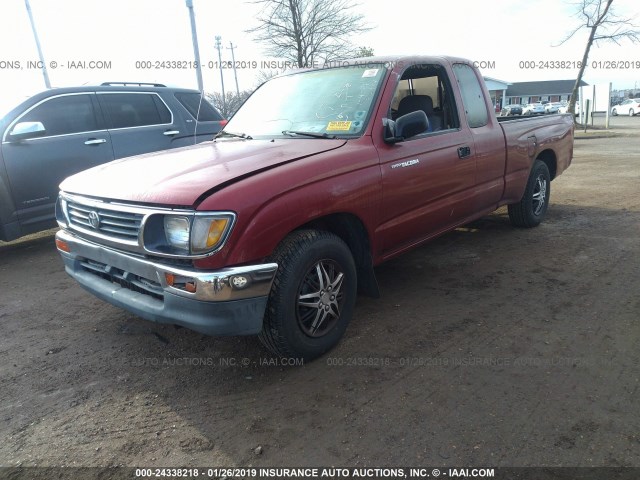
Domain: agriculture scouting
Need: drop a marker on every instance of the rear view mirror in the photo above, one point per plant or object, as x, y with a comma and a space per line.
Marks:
25, 130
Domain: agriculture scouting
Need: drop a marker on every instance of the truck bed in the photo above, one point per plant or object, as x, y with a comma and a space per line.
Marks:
534, 136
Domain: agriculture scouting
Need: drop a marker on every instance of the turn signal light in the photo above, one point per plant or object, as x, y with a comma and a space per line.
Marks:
216, 229
183, 283
62, 245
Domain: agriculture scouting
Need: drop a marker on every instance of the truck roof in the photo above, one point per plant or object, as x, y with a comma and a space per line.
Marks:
389, 61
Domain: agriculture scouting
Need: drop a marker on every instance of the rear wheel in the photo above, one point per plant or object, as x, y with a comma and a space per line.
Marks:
631, 113
312, 297
531, 209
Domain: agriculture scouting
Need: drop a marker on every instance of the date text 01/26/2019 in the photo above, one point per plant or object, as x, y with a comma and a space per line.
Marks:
573, 64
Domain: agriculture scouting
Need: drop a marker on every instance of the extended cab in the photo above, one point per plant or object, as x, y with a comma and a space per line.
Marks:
273, 227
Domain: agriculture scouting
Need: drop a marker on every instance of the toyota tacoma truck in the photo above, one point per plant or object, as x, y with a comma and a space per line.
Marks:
275, 226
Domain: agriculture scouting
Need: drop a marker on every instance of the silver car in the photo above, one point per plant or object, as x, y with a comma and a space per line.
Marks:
533, 109
552, 107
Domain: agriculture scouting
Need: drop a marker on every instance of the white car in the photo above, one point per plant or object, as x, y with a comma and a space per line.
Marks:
533, 109
552, 107
630, 107
564, 108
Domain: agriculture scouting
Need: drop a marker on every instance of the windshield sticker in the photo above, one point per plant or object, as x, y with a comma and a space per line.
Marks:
371, 72
338, 126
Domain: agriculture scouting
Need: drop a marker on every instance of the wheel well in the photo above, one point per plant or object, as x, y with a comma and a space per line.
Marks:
353, 232
549, 158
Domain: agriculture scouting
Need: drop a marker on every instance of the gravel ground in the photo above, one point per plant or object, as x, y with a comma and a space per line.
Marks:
490, 346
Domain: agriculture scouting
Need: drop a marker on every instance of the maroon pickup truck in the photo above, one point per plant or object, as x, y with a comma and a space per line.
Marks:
276, 225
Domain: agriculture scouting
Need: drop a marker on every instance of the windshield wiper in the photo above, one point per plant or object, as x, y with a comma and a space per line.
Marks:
223, 133
308, 134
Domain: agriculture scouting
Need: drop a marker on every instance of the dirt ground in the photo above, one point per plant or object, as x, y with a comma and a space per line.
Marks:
491, 346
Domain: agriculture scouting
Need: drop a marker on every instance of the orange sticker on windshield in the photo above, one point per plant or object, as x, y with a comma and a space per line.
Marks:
338, 126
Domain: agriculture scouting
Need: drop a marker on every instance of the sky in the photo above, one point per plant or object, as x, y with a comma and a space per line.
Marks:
511, 40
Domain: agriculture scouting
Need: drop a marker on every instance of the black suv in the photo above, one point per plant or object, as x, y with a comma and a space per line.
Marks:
62, 131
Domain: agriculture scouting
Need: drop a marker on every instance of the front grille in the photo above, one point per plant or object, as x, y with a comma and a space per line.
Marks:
124, 279
111, 223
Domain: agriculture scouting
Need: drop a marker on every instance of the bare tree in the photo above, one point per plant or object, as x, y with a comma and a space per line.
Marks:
304, 32
605, 26
232, 104
266, 75
361, 52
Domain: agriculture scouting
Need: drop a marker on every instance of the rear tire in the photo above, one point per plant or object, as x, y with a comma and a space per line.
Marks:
531, 209
631, 113
312, 297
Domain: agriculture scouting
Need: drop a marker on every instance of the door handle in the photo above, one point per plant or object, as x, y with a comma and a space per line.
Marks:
464, 152
95, 141
170, 133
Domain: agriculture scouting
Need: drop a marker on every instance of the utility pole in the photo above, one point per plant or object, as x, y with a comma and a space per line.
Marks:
35, 35
233, 59
606, 118
196, 50
219, 48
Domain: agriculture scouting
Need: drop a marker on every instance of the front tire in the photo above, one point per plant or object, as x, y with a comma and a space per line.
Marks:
312, 297
614, 112
531, 209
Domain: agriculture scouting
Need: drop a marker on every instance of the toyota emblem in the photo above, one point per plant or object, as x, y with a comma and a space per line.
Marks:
94, 219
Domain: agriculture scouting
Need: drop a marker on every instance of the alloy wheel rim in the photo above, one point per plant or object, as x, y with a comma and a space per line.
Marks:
320, 298
539, 195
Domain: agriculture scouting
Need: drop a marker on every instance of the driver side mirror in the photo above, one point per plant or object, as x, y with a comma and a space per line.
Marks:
26, 130
406, 126
389, 134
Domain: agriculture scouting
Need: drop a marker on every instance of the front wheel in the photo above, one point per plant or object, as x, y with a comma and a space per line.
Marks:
614, 112
312, 297
531, 209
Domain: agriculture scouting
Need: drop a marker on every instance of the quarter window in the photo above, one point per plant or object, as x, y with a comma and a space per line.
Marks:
198, 107
64, 115
126, 110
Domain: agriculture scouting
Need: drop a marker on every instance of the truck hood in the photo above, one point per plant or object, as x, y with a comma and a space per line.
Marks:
181, 176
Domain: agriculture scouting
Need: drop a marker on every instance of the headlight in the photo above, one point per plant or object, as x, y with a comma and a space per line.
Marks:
186, 234
176, 231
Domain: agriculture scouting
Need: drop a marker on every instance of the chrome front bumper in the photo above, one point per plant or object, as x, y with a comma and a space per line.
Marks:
230, 301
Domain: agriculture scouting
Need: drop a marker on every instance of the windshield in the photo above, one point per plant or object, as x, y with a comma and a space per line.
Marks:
334, 101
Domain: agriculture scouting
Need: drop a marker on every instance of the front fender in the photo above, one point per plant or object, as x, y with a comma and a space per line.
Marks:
274, 203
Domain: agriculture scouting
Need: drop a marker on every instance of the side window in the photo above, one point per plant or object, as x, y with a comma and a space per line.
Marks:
472, 95
426, 87
127, 110
198, 107
64, 115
